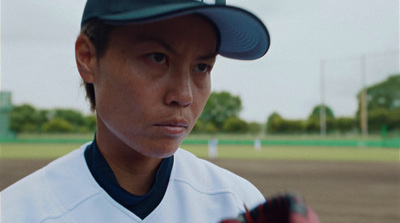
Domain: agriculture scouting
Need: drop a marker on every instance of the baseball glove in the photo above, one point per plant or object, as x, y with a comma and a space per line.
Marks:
287, 208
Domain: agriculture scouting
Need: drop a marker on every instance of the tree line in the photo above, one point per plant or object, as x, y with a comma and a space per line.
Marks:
221, 114
276, 124
28, 119
383, 109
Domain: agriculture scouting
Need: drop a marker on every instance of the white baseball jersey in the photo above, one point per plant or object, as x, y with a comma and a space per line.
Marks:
65, 191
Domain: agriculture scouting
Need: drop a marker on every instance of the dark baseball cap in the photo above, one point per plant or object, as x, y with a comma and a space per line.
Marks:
242, 35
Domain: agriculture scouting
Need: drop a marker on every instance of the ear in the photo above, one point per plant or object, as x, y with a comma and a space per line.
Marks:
86, 58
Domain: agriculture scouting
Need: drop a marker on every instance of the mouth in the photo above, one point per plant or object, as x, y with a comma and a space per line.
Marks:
174, 128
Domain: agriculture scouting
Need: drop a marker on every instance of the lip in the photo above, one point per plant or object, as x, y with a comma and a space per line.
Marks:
173, 127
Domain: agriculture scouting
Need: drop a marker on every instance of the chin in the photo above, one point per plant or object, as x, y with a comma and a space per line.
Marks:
160, 154
163, 151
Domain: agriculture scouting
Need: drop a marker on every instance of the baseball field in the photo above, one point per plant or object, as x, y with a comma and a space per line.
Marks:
342, 184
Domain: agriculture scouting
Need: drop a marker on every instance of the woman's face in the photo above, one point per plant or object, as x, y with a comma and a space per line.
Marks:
153, 82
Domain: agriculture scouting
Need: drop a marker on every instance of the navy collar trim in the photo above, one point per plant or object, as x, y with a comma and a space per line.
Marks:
140, 205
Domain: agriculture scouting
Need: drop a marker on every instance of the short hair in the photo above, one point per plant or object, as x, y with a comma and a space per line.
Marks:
99, 33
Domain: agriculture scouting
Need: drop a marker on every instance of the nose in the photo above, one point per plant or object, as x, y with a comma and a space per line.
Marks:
179, 91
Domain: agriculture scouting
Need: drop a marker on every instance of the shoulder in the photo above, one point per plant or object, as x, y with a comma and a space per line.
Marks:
207, 177
45, 193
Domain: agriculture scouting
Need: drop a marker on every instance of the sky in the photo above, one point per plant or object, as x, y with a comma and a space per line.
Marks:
38, 62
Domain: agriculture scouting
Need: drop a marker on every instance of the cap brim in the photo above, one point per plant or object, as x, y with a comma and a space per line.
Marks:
243, 35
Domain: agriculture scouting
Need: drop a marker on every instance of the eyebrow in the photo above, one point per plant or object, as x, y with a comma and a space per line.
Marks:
146, 39
209, 56
165, 45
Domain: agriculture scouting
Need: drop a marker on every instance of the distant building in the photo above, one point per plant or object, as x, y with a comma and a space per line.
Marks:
5, 108
213, 148
257, 144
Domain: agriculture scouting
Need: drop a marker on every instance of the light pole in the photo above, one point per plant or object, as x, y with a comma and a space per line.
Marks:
363, 93
363, 99
322, 112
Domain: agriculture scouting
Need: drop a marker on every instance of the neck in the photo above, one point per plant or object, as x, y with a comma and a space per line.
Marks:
134, 172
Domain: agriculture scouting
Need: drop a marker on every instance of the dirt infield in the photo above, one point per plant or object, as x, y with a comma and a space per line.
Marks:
345, 192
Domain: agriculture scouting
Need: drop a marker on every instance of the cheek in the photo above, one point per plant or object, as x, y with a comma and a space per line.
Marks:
112, 93
119, 79
203, 95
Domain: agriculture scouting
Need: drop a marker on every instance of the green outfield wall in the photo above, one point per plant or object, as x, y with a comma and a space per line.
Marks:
389, 143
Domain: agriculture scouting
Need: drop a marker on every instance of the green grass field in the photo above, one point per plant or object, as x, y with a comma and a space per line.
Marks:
272, 152
300, 153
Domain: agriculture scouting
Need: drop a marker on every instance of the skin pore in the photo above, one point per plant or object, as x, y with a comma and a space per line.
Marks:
151, 85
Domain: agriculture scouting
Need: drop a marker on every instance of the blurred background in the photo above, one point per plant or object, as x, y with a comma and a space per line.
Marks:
323, 55
319, 113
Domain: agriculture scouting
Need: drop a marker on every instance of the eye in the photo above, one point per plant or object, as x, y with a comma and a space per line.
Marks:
203, 68
158, 58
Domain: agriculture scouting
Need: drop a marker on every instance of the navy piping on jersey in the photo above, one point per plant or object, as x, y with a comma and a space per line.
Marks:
141, 205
